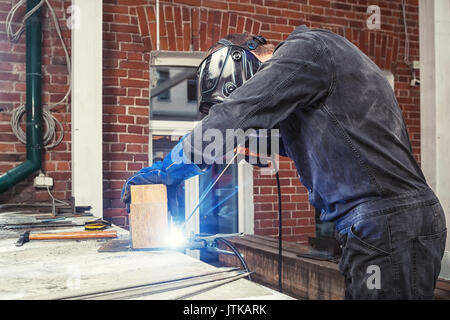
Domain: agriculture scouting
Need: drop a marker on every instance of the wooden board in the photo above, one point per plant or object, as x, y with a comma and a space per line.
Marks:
148, 216
303, 278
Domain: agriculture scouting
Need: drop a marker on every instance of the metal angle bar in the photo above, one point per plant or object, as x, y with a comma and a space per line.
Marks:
158, 288
215, 285
59, 296
41, 225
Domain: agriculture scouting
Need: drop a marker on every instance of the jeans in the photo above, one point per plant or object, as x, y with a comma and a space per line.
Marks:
392, 248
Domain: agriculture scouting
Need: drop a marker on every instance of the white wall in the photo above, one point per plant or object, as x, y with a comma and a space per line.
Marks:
87, 169
435, 109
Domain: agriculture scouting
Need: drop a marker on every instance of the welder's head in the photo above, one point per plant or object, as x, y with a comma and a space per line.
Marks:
230, 63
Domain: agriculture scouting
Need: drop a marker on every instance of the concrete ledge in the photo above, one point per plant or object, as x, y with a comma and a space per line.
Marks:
302, 278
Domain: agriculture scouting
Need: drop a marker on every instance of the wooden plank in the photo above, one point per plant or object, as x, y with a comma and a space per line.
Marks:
247, 241
273, 243
74, 235
302, 278
148, 216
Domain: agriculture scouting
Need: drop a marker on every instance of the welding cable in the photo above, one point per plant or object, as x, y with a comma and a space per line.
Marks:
280, 226
280, 239
407, 42
49, 138
54, 199
237, 253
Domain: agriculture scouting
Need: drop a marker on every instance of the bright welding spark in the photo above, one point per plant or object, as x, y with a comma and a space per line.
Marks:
176, 238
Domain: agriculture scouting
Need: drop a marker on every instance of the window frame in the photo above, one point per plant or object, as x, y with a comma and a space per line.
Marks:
166, 127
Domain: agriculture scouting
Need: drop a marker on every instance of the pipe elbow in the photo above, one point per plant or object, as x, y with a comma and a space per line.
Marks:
15, 175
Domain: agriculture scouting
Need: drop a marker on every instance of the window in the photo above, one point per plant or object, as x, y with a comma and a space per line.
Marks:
171, 96
228, 207
192, 90
163, 77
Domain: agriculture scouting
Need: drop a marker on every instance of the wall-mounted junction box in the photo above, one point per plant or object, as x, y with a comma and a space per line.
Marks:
42, 181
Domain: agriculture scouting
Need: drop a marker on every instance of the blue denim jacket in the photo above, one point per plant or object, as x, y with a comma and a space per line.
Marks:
338, 116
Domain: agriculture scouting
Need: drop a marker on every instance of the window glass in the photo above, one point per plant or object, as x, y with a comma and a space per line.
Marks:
163, 77
174, 93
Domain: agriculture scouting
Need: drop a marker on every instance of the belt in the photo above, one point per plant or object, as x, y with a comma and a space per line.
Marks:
387, 205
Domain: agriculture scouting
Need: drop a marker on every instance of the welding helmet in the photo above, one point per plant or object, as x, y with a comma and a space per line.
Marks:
225, 70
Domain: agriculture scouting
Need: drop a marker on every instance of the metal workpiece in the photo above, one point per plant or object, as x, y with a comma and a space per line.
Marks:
207, 241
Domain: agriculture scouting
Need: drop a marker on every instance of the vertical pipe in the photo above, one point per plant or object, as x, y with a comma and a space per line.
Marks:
34, 85
157, 25
33, 103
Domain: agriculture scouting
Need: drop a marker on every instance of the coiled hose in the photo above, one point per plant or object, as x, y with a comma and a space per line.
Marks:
50, 139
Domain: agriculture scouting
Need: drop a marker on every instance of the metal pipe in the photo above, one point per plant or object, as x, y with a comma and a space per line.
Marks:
157, 25
33, 160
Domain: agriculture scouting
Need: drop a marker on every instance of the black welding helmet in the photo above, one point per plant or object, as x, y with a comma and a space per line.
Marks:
225, 70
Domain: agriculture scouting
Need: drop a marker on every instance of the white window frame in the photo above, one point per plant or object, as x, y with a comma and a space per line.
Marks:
180, 128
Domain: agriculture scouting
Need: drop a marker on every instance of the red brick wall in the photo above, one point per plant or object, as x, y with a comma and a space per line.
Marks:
129, 36
12, 94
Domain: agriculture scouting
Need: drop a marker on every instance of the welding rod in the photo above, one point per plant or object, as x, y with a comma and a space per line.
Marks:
209, 189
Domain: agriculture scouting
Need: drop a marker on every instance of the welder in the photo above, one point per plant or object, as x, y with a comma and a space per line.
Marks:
341, 124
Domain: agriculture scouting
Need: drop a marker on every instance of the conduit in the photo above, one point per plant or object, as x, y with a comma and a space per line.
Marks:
33, 105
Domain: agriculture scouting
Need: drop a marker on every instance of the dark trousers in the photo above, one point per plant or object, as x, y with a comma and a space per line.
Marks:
392, 248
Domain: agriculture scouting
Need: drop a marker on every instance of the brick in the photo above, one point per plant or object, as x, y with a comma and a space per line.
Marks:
194, 3
126, 119
129, 35
131, 138
134, 148
132, 83
134, 129
133, 65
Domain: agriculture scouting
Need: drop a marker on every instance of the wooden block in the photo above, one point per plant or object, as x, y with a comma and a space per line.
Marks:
151, 193
149, 223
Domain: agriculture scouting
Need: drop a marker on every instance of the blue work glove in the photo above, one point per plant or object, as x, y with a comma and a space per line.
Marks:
174, 169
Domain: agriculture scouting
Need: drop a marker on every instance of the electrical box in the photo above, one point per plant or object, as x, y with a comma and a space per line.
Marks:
42, 181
